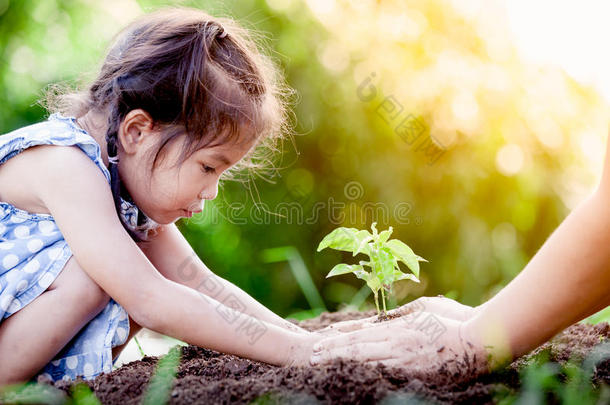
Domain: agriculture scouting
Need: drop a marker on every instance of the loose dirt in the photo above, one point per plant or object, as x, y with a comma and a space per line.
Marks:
208, 377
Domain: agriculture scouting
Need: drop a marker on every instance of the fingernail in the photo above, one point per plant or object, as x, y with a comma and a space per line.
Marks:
317, 347
314, 360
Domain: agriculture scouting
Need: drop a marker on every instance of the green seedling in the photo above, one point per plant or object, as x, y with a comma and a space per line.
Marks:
384, 256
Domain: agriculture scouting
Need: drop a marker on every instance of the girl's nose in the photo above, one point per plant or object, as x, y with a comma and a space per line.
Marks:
209, 193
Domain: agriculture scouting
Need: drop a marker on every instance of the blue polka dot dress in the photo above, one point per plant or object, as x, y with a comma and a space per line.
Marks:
33, 252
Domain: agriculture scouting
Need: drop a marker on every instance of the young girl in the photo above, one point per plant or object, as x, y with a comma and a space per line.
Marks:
89, 251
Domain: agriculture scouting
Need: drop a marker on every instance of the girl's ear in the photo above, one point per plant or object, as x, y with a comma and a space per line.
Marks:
136, 128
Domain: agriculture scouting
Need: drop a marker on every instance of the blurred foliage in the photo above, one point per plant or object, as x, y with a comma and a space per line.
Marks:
418, 114
570, 383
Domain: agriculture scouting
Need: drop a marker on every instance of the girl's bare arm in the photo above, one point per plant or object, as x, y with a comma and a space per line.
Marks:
79, 198
173, 257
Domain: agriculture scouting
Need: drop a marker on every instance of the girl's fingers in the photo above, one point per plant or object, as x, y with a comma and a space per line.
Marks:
367, 335
349, 326
369, 351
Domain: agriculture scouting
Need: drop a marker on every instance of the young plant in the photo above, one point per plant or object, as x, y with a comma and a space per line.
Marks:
384, 256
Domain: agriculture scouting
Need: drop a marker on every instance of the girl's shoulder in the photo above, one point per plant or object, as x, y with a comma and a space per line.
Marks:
23, 154
56, 130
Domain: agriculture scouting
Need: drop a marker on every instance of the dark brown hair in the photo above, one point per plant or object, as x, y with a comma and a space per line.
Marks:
194, 74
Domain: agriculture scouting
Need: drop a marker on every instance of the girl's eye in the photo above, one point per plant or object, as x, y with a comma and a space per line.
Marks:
208, 169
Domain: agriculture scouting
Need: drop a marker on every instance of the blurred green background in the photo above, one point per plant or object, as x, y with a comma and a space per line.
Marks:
411, 114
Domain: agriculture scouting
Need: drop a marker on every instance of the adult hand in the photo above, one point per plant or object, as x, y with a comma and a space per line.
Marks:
439, 305
426, 345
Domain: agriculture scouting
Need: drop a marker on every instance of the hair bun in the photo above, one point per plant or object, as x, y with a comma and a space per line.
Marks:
221, 31
218, 30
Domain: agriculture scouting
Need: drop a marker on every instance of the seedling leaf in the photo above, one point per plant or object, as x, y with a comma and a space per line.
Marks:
371, 279
340, 239
421, 259
404, 254
373, 282
362, 274
385, 235
343, 269
384, 255
399, 275
347, 239
386, 264
364, 246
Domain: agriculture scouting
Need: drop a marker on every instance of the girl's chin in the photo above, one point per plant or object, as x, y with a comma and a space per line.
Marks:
186, 214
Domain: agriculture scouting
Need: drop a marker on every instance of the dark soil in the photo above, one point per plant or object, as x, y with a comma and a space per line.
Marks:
205, 376
385, 316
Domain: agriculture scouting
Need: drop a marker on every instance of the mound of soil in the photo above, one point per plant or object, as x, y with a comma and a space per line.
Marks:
205, 376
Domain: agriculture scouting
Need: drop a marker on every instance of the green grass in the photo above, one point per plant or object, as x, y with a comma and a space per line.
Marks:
157, 392
161, 383
601, 316
299, 271
32, 393
544, 381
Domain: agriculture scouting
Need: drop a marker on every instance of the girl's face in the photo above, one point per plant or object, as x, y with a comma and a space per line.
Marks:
169, 193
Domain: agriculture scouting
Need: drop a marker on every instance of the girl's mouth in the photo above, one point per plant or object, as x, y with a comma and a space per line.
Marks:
189, 214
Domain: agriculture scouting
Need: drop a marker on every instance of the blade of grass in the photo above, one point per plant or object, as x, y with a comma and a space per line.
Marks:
360, 297
299, 271
82, 395
139, 347
161, 383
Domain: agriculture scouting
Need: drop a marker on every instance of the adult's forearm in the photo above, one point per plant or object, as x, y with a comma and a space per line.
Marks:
566, 280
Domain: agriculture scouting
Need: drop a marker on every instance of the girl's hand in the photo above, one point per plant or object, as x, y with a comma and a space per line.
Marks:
437, 344
302, 349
